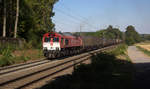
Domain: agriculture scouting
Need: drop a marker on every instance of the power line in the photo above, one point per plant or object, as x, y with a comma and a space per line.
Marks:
63, 12
75, 18
61, 22
69, 19
60, 27
78, 16
65, 6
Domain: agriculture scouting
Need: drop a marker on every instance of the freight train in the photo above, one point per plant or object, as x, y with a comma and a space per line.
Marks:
57, 45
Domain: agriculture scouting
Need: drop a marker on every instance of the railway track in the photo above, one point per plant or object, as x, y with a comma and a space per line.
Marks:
36, 74
18, 67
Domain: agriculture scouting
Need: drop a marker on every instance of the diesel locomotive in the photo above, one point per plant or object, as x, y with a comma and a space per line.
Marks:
61, 44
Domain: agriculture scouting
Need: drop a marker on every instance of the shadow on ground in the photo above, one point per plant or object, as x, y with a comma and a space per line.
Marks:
142, 76
105, 72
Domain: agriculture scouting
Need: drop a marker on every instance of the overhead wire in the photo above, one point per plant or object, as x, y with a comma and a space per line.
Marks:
61, 23
76, 18
69, 19
79, 16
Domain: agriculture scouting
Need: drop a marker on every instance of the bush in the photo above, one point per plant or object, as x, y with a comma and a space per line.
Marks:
4, 50
6, 60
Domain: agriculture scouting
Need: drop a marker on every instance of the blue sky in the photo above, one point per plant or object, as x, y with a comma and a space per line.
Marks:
93, 15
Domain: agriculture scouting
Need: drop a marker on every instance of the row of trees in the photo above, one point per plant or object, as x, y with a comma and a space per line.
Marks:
4, 13
130, 36
110, 33
26, 18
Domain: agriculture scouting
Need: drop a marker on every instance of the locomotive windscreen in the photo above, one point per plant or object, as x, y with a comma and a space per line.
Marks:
48, 39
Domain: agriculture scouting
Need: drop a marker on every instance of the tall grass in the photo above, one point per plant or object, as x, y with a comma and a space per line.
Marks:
7, 47
40, 53
120, 50
7, 58
33, 45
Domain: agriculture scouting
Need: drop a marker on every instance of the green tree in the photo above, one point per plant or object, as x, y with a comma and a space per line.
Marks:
16, 21
38, 13
110, 33
4, 19
132, 36
7, 17
34, 17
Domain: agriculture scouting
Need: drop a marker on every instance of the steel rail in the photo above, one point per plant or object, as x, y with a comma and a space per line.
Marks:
80, 59
22, 66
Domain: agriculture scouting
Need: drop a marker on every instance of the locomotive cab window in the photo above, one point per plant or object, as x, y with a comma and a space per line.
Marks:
56, 39
47, 39
66, 41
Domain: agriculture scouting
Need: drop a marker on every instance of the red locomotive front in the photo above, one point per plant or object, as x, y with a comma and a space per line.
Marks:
56, 44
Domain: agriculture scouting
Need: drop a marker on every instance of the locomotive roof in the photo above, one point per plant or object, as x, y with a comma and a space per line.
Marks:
65, 34
69, 34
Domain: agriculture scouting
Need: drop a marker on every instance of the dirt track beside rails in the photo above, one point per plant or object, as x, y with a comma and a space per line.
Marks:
142, 67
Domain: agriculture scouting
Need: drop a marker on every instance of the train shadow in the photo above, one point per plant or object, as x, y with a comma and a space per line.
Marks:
104, 72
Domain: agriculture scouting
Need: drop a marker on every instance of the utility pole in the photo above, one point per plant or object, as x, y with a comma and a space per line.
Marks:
80, 30
81, 27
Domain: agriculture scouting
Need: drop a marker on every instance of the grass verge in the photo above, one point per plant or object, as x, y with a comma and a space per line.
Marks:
144, 50
5, 60
9, 56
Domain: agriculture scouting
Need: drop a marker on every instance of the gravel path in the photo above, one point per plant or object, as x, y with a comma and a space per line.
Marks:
142, 66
